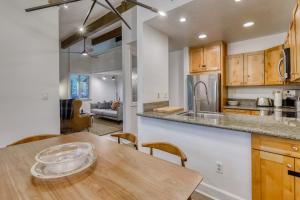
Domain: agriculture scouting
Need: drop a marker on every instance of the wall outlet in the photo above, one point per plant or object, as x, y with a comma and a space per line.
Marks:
220, 169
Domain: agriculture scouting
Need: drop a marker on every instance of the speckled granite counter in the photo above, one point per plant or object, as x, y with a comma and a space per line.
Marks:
250, 107
267, 125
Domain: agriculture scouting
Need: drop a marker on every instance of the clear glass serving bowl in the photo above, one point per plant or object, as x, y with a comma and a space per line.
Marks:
66, 157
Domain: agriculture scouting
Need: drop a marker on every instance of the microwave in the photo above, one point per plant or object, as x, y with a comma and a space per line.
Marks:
284, 66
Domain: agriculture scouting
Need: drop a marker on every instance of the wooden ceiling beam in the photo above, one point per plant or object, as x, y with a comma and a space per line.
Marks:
107, 36
100, 23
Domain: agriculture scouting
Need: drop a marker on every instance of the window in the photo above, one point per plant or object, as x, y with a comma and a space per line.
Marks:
80, 86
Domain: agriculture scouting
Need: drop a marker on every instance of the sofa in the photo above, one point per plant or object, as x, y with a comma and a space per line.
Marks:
104, 110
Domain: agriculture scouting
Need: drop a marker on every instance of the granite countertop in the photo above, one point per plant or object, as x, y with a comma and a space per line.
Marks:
267, 125
257, 108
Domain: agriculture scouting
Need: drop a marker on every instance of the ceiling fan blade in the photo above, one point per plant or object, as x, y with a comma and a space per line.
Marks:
103, 5
117, 13
90, 11
50, 5
143, 5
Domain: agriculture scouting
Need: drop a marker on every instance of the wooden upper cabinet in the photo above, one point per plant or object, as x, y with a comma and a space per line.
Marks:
296, 43
235, 70
272, 59
254, 68
270, 176
212, 57
196, 60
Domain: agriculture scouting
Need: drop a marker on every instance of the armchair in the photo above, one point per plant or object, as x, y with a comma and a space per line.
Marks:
78, 122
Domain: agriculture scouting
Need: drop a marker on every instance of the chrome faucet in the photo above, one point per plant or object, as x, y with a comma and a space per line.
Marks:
194, 95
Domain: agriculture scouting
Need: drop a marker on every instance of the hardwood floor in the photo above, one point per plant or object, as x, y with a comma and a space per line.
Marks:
198, 196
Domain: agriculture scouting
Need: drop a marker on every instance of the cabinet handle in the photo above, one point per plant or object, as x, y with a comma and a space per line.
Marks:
289, 165
295, 148
203, 65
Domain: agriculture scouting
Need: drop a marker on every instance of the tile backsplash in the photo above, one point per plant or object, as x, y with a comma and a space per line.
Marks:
255, 92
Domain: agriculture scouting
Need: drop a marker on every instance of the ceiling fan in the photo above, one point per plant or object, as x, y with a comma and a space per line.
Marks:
109, 6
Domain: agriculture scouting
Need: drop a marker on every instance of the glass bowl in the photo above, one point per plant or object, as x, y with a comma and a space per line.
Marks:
65, 157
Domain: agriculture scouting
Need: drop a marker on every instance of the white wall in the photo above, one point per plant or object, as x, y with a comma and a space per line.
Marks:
29, 82
256, 44
110, 61
176, 78
129, 38
155, 65
204, 147
102, 90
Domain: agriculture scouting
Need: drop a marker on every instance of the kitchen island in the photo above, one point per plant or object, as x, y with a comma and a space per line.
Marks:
218, 147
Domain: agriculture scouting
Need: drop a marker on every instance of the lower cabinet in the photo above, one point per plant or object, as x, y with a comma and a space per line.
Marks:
275, 168
270, 176
297, 180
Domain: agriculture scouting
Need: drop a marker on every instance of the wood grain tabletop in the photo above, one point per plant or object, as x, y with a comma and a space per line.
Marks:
120, 172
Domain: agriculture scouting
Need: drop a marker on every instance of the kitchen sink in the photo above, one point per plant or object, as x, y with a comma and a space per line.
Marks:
210, 115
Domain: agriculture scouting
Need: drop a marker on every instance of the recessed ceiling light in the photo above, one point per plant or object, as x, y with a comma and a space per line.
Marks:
162, 13
81, 29
182, 19
104, 78
202, 36
237, 0
66, 6
248, 24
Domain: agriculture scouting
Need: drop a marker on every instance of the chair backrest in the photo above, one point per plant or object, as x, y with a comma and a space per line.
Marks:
169, 148
76, 107
32, 139
126, 136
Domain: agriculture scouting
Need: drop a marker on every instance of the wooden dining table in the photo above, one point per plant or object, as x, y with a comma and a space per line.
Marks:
120, 172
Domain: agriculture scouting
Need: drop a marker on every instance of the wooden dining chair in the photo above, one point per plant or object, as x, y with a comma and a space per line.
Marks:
169, 148
33, 139
126, 136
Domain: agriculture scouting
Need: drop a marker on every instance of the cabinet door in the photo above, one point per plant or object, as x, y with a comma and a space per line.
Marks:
297, 180
292, 45
296, 72
272, 58
254, 73
196, 60
212, 57
235, 70
270, 179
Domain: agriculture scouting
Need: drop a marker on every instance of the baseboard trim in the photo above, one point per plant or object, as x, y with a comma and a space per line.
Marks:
216, 193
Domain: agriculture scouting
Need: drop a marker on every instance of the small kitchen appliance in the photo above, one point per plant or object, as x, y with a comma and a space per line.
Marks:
264, 102
289, 98
278, 99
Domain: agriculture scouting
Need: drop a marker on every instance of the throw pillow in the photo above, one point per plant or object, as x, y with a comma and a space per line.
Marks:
115, 105
107, 104
101, 105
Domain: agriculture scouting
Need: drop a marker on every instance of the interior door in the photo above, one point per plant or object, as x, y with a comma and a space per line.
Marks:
254, 71
235, 70
270, 176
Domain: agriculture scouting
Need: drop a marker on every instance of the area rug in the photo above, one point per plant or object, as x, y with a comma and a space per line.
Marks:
103, 127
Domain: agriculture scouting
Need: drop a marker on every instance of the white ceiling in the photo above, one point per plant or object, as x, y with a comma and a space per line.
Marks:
223, 20
72, 18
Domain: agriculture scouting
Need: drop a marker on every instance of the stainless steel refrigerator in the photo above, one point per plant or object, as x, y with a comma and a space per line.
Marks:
207, 92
